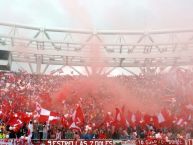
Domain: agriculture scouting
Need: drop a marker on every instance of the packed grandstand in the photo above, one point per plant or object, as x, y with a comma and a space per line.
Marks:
27, 97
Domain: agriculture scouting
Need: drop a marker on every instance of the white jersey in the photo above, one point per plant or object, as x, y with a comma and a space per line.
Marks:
30, 126
58, 135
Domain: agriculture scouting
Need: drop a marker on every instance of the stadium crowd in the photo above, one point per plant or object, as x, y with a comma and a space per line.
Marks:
24, 99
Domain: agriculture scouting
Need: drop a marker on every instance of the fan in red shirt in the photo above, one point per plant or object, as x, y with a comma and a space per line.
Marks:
102, 135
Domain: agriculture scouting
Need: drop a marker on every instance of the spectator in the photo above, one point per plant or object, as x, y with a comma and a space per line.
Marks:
30, 132
35, 131
69, 134
102, 135
58, 134
40, 130
45, 131
116, 135
76, 135
2, 134
88, 135
52, 134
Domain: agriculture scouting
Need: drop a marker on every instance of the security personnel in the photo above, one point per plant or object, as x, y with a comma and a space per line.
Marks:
2, 135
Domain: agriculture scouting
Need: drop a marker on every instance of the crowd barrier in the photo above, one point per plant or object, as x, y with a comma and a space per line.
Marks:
96, 142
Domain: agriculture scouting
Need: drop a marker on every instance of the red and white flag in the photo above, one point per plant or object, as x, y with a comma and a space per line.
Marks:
48, 116
118, 115
120, 119
74, 126
108, 119
77, 119
78, 116
16, 124
160, 117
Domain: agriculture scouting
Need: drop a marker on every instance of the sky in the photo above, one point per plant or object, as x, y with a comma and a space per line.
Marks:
130, 15
99, 14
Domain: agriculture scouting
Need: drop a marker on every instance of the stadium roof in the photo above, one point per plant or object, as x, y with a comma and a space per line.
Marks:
146, 26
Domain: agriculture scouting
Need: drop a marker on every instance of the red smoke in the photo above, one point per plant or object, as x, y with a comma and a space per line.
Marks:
105, 92
78, 13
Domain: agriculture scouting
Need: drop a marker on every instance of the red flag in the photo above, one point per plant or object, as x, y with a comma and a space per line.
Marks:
155, 121
66, 120
139, 117
43, 118
25, 117
118, 115
16, 124
167, 117
1, 114
77, 119
78, 116
147, 119
75, 127
120, 119
108, 119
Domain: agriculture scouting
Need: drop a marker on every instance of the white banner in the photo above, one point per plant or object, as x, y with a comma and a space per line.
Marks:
127, 142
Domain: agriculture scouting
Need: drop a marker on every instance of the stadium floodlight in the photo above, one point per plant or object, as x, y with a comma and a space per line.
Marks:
2, 41
5, 61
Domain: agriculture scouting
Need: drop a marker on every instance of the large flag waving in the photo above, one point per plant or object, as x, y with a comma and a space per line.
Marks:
120, 119
108, 119
45, 115
77, 118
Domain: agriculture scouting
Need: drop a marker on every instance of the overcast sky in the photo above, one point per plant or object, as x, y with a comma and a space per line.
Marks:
100, 14
131, 15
